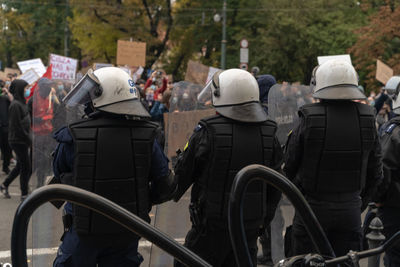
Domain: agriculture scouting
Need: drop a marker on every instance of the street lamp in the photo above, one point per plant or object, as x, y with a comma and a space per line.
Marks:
217, 18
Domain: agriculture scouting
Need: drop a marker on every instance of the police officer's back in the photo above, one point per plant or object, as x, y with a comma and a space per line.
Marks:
239, 135
388, 194
334, 157
113, 152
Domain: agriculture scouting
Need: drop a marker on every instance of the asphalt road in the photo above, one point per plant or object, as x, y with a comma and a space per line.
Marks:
172, 218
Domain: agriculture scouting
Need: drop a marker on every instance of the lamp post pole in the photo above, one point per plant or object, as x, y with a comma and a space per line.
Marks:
223, 41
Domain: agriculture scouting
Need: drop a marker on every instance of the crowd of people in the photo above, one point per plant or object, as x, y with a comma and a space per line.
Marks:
333, 155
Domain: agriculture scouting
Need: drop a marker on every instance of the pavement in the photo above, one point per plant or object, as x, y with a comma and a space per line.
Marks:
45, 229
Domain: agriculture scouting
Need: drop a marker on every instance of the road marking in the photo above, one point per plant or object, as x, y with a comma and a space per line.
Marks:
50, 251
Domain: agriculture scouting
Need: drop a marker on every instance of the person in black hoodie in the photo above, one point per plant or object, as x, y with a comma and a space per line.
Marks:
4, 145
19, 137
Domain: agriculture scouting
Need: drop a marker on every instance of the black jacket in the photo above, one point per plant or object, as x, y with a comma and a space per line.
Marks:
19, 131
4, 106
388, 192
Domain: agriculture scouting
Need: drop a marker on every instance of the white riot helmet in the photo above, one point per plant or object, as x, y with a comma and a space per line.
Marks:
235, 95
110, 89
393, 89
336, 79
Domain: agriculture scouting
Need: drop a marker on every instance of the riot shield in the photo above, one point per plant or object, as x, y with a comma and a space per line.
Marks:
284, 100
48, 114
184, 114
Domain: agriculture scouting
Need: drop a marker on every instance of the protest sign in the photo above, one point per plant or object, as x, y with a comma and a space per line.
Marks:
30, 76
323, 59
35, 64
196, 72
180, 127
12, 71
3, 76
131, 53
383, 72
97, 66
64, 68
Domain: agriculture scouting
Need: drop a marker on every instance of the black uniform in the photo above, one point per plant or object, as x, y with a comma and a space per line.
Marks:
118, 159
388, 193
217, 150
334, 157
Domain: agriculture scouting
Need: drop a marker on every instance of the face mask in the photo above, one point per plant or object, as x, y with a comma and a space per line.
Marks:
27, 92
185, 96
153, 87
8, 82
61, 87
174, 100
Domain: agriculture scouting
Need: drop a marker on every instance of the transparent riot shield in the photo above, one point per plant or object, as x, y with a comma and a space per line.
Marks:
184, 114
48, 114
284, 100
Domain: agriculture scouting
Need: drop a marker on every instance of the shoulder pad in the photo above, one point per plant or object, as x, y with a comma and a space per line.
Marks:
390, 128
365, 110
198, 128
312, 109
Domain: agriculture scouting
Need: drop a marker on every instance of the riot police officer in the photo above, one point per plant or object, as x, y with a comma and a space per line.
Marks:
388, 194
334, 157
113, 152
239, 135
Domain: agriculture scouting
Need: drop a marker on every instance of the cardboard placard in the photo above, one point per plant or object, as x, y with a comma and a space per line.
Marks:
97, 66
30, 76
131, 53
181, 126
3, 76
35, 64
323, 59
64, 68
196, 72
383, 72
11, 71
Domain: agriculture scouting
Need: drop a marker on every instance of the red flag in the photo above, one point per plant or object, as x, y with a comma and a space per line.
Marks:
47, 75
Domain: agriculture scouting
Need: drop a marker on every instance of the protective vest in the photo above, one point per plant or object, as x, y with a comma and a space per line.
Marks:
112, 158
235, 145
338, 138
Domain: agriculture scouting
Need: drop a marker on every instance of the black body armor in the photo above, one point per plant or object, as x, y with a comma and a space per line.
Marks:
339, 136
235, 145
112, 159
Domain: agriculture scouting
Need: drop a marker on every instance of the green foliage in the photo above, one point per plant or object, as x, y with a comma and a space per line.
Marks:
34, 29
285, 37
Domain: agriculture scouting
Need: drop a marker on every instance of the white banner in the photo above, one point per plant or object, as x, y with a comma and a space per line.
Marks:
64, 68
35, 64
30, 76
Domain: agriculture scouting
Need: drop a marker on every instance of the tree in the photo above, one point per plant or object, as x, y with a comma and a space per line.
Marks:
379, 39
34, 29
285, 37
97, 25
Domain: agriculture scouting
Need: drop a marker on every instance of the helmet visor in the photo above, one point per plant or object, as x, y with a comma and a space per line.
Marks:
84, 91
205, 94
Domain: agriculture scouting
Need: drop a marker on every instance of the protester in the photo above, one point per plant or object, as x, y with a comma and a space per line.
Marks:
6, 152
161, 106
19, 136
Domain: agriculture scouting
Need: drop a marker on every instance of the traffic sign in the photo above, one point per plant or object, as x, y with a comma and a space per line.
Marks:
244, 43
244, 55
243, 66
